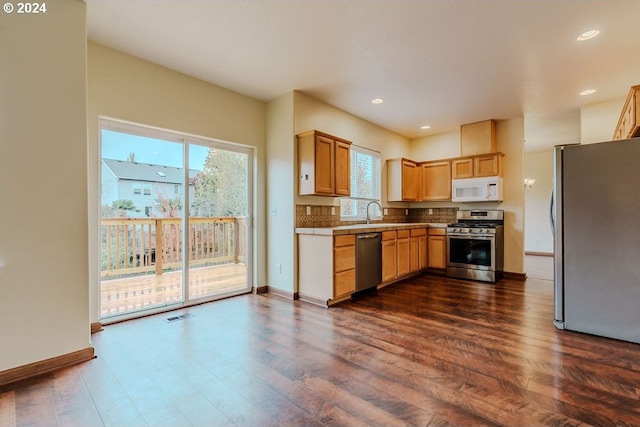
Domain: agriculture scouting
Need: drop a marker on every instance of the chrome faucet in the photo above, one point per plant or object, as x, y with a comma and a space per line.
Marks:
369, 204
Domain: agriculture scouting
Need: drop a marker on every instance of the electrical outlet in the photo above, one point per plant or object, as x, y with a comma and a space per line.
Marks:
279, 268
430, 211
385, 211
333, 210
406, 211
274, 211
308, 210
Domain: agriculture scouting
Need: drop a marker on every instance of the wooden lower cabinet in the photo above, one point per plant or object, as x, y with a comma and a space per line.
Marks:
418, 256
388, 256
437, 242
403, 253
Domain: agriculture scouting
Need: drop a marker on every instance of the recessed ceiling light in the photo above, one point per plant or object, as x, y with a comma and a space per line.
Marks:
587, 92
377, 101
425, 127
588, 35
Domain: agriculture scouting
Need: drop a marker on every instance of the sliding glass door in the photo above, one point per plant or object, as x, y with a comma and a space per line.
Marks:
174, 219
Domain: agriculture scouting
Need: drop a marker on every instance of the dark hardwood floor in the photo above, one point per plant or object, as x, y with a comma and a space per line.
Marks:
429, 351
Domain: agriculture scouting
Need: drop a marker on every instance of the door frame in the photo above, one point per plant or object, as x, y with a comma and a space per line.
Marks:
123, 126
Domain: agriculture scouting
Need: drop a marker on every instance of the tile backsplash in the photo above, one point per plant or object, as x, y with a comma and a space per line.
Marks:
321, 216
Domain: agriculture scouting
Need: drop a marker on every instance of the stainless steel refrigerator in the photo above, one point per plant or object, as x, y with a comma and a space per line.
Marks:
595, 213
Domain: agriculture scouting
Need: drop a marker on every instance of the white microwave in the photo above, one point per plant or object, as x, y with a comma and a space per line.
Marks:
487, 189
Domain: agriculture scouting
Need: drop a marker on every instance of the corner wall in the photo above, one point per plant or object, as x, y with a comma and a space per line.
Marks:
280, 208
44, 297
538, 237
510, 139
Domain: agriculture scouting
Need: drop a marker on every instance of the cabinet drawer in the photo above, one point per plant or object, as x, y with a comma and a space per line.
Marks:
418, 232
388, 235
344, 283
437, 231
403, 234
347, 240
344, 258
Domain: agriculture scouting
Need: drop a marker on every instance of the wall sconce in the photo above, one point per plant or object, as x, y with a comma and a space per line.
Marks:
528, 182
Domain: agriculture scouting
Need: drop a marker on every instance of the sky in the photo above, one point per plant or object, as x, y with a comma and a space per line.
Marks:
116, 145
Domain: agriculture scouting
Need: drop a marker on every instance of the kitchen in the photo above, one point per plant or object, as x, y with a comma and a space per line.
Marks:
407, 243
127, 86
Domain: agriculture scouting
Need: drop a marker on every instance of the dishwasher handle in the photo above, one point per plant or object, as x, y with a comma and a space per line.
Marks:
367, 236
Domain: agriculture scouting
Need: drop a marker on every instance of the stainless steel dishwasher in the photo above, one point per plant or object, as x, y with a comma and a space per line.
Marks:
368, 260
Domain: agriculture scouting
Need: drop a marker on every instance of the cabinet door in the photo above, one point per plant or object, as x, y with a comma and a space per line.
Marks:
344, 263
388, 259
437, 252
414, 255
436, 181
344, 283
324, 163
462, 168
402, 254
342, 166
409, 183
489, 165
422, 253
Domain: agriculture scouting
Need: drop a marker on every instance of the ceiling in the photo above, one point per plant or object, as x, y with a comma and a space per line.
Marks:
441, 63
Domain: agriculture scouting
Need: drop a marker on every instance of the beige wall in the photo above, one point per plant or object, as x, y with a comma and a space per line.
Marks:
44, 300
128, 88
442, 146
280, 209
312, 114
538, 166
510, 137
599, 121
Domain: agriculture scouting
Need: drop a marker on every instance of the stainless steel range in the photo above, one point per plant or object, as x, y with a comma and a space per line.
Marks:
475, 245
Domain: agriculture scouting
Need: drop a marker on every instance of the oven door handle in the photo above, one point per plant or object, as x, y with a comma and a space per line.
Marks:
470, 236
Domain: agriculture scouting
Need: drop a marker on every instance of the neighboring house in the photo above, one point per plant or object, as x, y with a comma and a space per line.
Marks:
144, 184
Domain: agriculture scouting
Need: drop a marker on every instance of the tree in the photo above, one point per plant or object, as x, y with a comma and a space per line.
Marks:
122, 206
221, 188
169, 208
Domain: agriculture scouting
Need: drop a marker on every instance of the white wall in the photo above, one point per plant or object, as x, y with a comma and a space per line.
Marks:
538, 166
44, 299
128, 88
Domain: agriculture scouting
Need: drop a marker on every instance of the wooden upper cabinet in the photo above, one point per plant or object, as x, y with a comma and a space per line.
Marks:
402, 180
489, 164
478, 138
342, 168
629, 122
323, 164
462, 167
436, 180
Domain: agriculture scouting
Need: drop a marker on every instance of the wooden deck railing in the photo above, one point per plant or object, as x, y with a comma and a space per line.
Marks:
144, 245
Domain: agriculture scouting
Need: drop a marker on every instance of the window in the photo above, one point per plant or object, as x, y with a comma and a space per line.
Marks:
137, 188
146, 188
365, 186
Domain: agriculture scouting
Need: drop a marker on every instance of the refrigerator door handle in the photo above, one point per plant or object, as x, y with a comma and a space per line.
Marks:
551, 219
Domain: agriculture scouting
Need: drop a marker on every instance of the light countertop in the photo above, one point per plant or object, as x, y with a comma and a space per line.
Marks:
367, 228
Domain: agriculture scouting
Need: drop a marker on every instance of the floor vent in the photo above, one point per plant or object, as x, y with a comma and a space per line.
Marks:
181, 317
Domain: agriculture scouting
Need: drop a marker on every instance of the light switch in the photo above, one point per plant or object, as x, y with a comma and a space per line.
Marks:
308, 210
